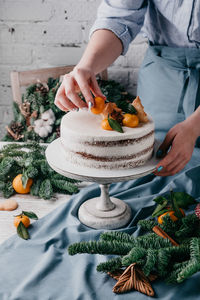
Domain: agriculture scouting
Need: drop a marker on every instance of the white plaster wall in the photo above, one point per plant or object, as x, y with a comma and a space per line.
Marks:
49, 33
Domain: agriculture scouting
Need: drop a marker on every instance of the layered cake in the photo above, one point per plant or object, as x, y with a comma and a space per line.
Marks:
85, 143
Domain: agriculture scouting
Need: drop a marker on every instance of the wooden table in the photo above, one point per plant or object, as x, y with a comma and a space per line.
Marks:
28, 203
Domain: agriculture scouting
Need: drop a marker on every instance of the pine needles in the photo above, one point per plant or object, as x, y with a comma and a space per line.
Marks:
151, 252
29, 159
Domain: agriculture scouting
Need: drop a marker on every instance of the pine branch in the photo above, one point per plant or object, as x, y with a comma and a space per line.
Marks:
65, 185
147, 225
187, 228
195, 249
110, 265
135, 254
35, 187
99, 247
176, 269
118, 236
191, 268
8, 190
152, 241
46, 189
151, 260
169, 226
164, 257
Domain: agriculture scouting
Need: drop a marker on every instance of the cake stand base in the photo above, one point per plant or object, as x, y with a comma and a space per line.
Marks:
101, 212
104, 212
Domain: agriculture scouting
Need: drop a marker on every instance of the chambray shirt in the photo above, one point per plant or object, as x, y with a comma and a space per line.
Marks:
173, 23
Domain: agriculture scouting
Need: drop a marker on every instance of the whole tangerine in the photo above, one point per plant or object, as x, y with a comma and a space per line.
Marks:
18, 186
21, 218
105, 124
130, 120
171, 214
99, 105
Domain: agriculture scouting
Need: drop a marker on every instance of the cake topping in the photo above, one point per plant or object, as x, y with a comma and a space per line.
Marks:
99, 105
130, 120
122, 113
140, 110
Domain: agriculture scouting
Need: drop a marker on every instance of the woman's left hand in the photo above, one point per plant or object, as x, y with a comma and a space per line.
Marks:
177, 148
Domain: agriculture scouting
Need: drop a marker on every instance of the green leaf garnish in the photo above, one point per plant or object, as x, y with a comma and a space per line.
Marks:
160, 199
183, 199
175, 207
30, 214
22, 231
126, 107
115, 125
159, 208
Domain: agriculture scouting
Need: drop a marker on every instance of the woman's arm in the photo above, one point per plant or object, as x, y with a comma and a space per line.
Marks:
117, 24
103, 48
181, 138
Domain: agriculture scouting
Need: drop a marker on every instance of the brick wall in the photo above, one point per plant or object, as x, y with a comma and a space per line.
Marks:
49, 33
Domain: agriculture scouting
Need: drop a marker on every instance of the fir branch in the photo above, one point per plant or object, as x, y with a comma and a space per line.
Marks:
189, 222
35, 187
151, 260
46, 189
110, 265
164, 257
64, 185
8, 190
100, 247
195, 249
169, 226
180, 253
176, 269
118, 236
191, 268
152, 241
147, 225
135, 254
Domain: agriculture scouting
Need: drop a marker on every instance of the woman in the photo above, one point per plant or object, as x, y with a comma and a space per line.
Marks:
169, 78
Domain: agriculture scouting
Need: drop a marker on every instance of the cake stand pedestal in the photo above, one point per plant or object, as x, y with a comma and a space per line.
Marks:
102, 212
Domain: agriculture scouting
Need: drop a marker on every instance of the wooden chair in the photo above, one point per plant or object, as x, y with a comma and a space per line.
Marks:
26, 78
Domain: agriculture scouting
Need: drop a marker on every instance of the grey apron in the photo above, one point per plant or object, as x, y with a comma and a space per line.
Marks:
169, 85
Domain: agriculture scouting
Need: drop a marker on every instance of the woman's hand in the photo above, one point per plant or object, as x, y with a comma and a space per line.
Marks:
79, 80
177, 148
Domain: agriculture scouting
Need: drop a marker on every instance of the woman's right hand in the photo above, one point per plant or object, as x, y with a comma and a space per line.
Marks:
79, 80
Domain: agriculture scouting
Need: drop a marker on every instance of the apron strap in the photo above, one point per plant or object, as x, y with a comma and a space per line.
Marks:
188, 98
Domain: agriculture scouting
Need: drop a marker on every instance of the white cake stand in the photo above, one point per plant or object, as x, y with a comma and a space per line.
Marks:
104, 211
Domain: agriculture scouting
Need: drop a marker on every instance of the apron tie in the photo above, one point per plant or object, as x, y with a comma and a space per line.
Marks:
188, 100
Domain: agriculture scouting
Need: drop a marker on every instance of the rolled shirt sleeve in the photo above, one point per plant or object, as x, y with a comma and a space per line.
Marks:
123, 17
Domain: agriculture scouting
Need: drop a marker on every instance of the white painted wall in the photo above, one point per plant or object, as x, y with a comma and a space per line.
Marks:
49, 33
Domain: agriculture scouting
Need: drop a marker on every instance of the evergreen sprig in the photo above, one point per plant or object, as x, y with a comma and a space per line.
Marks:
41, 98
100, 247
111, 265
151, 252
29, 160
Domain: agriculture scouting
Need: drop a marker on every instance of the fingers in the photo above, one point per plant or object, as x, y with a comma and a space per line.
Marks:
79, 80
164, 147
62, 101
84, 87
173, 162
95, 88
71, 87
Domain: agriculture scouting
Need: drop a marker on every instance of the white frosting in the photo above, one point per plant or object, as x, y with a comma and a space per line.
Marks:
81, 130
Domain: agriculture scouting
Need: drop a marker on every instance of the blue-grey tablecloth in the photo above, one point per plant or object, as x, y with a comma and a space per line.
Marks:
41, 269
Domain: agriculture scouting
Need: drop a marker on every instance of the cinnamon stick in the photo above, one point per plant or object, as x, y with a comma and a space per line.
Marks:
164, 235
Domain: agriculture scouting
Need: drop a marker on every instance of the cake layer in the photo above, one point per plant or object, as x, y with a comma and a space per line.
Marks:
116, 149
86, 143
85, 126
113, 163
